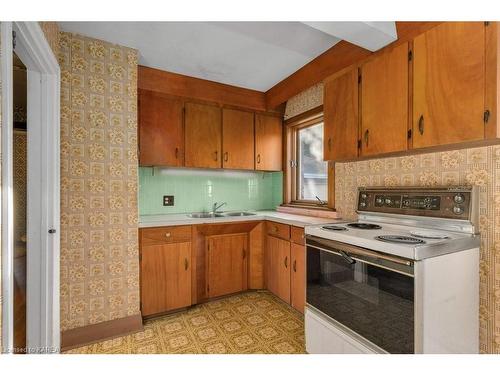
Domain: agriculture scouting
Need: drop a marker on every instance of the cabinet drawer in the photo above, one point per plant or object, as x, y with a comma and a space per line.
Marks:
155, 236
278, 230
297, 235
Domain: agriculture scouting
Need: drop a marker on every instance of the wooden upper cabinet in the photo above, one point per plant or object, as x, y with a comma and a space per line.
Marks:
340, 117
238, 144
298, 277
203, 140
165, 277
161, 133
278, 265
227, 264
268, 143
384, 102
449, 84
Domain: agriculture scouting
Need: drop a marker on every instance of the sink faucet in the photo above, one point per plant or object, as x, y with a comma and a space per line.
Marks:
216, 206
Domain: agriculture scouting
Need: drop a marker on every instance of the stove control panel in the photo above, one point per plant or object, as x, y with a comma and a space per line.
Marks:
443, 202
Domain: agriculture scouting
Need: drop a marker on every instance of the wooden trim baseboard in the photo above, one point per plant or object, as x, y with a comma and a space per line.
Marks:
82, 336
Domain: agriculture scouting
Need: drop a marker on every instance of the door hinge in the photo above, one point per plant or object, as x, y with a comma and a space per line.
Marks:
486, 116
359, 143
410, 55
409, 133
13, 39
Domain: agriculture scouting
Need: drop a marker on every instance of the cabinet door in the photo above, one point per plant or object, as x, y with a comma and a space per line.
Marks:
165, 277
340, 116
238, 145
384, 102
203, 128
161, 133
449, 84
278, 267
226, 263
268, 143
298, 277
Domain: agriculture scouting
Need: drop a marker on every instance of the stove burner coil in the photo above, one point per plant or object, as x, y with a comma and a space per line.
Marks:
400, 239
364, 226
333, 227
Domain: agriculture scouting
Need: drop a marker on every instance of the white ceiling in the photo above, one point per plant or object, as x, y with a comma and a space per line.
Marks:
254, 55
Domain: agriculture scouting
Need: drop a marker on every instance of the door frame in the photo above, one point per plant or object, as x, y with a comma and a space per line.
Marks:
43, 179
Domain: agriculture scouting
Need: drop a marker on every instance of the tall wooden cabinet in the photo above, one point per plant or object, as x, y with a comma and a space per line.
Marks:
165, 263
340, 117
203, 129
449, 84
268, 143
161, 130
226, 264
238, 139
384, 102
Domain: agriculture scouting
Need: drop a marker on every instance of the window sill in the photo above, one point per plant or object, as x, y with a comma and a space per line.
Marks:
308, 206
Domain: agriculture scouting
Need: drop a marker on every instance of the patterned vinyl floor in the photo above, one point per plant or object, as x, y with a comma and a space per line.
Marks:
252, 322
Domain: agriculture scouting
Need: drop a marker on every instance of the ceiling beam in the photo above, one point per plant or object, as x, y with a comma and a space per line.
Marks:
369, 35
195, 88
340, 56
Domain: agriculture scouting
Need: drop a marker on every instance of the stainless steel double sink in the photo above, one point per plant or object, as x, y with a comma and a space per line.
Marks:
207, 215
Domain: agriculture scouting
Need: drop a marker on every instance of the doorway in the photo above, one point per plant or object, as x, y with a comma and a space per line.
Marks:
34, 236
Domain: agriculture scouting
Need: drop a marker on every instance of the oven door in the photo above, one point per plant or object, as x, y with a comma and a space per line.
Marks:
368, 293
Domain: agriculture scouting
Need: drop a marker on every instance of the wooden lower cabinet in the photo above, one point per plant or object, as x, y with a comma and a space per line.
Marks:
298, 277
226, 264
278, 267
165, 277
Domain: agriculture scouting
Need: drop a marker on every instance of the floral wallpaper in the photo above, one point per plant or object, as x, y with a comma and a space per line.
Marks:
51, 32
303, 102
99, 235
476, 166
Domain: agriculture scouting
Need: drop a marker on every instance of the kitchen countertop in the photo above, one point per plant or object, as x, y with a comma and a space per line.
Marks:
149, 221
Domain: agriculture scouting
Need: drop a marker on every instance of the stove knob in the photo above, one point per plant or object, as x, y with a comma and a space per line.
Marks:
362, 204
459, 198
406, 202
457, 210
388, 201
379, 200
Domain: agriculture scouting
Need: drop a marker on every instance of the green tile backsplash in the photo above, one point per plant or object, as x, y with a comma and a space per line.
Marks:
196, 190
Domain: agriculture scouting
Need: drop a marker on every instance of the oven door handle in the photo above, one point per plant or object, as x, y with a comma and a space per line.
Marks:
347, 258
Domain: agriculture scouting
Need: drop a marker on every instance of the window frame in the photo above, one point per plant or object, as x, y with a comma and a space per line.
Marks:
293, 126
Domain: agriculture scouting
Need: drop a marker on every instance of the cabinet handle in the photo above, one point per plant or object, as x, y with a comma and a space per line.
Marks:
186, 264
367, 136
329, 144
177, 153
421, 125
216, 155
226, 156
167, 234
258, 158
294, 266
286, 262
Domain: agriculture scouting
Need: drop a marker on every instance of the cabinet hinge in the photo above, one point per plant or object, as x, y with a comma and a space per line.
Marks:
486, 116
359, 78
409, 133
410, 55
359, 143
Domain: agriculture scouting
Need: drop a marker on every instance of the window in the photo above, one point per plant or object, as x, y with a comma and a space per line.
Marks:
307, 173
312, 171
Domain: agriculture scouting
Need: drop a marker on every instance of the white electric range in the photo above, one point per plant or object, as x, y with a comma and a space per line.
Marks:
403, 278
